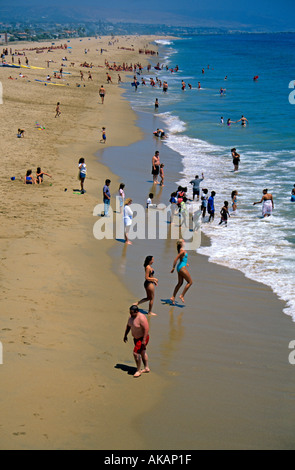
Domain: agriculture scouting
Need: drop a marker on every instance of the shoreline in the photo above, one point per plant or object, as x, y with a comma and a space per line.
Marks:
199, 348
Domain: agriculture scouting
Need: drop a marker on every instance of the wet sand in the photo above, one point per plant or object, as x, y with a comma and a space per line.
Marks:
225, 354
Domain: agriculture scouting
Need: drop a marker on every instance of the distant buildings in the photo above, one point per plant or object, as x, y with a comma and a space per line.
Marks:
4, 38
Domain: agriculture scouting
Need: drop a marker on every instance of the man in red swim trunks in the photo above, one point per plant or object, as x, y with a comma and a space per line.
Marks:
139, 327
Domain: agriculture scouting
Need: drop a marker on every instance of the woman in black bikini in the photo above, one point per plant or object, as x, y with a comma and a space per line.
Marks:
149, 284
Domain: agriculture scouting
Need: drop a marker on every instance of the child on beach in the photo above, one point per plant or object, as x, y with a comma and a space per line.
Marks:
57, 110
82, 174
40, 174
121, 196
204, 201
183, 211
149, 201
29, 179
20, 133
103, 135
224, 214
162, 174
174, 206
234, 196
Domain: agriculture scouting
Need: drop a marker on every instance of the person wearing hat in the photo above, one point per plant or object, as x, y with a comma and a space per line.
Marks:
139, 327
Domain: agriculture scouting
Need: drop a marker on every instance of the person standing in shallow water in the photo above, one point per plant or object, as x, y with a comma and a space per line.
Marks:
183, 274
234, 197
267, 203
139, 327
149, 284
236, 159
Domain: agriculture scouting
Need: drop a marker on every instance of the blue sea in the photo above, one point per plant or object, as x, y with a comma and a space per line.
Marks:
263, 249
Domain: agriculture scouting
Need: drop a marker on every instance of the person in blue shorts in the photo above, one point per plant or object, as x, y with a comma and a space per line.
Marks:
103, 135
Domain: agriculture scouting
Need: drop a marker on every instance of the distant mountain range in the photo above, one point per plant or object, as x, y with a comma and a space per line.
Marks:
74, 12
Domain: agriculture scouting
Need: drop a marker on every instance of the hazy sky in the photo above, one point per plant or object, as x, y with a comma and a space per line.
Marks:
269, 13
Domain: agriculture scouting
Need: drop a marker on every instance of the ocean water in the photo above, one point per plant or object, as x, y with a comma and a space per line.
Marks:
263, 249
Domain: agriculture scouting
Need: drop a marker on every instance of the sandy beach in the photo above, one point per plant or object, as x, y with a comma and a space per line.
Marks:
220, 373
59, 295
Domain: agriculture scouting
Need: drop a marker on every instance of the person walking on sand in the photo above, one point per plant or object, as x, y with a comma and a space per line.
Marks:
267, 203
155, 167
82, 174
183, 274
106, 197
103, 136
139, 327
127, 217
57, 110
102, 93
149, 284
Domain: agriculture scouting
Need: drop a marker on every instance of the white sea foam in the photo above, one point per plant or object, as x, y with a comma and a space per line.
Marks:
163, 42
174, 124
257, 247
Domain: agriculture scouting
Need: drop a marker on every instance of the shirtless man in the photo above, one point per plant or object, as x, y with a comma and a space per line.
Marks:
102, 93
139, 327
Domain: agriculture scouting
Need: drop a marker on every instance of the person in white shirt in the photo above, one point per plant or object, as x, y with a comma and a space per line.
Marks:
121, 196
127, 216
82, 173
